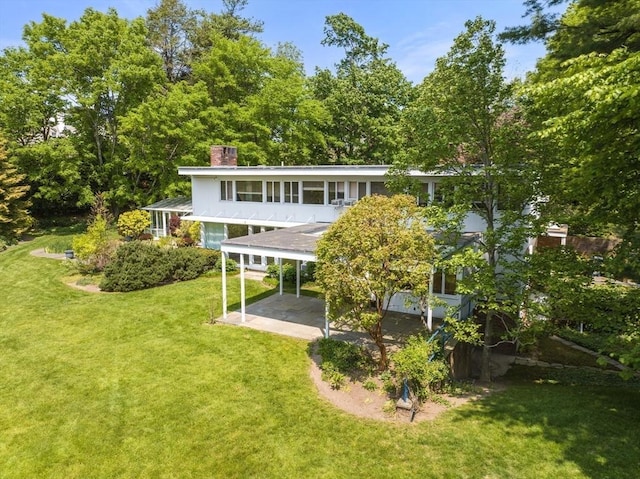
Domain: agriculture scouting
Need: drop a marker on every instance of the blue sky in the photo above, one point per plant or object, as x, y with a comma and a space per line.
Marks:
417, 31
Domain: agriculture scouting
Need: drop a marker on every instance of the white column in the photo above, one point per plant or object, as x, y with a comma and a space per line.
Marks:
263, 260
326, 319
250, 232
281, 276
297, 278
224, 284
429, 308
164, 224
242, 298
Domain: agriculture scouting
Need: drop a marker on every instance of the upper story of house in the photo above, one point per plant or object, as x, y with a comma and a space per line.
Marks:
283, 196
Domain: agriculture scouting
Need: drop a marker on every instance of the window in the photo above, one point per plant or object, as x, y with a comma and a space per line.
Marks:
313, 192
378, 188
444, 282
226, 190
423, 195
357, 190
273, 192
336, 190
249, 191
291, 192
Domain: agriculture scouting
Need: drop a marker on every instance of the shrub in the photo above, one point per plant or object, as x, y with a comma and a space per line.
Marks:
413, 363
93, 249
3, 245
133, 223
344, 356
59, 245
189, 263
136, 265
332, 375
230, 265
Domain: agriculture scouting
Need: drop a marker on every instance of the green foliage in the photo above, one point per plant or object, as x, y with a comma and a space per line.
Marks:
307, 272
14, 214
139, 265
373, 251
133, 223
332, 375
346, 357
231, 266
414, 362
94, 248
189, 263
59, 244
365, 97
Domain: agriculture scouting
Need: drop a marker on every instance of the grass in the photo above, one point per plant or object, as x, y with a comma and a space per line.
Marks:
139, 385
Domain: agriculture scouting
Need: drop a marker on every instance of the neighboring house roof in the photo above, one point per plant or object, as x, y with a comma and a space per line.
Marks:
181, 204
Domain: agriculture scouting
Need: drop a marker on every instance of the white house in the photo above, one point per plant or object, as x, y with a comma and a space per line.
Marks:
236, 203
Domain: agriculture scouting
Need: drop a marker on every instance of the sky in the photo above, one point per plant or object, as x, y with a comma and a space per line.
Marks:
417, 31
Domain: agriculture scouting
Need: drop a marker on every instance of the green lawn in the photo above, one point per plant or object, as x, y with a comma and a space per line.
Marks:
138, 385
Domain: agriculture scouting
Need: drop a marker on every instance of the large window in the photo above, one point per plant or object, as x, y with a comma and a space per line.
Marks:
226, 190
336, 190
291, 192
444, 282
378, 188
357, 189
273, 192
249, 191
313, 192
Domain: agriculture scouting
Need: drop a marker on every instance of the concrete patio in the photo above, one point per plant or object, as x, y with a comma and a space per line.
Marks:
303, 318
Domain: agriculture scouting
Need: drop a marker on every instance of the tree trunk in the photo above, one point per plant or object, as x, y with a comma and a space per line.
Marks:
485, 364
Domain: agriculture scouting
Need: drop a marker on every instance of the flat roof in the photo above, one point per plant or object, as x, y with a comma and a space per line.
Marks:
374, 171
296, 242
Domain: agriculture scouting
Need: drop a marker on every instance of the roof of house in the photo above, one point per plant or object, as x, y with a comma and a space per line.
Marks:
374, 171
181, 204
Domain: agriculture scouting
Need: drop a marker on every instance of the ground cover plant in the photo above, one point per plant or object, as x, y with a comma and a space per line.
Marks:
140, 385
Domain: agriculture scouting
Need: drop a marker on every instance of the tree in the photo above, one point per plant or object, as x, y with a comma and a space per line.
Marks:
365, 97
584, 100
467, 126
376, 249
170, 25
14, 213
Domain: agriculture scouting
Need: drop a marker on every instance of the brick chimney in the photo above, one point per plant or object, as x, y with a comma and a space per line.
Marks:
224, 155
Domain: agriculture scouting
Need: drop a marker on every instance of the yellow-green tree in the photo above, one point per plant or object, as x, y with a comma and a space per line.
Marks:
14, 213
377, 248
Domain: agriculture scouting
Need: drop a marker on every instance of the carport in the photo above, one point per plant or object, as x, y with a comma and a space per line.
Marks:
296, 243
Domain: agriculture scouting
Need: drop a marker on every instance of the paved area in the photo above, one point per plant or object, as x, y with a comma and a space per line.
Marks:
303, 318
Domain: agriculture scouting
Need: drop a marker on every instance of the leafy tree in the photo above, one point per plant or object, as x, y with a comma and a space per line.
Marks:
467, 126
365, 97
170, 25
376, 249
584, 100
171, 128
14, 213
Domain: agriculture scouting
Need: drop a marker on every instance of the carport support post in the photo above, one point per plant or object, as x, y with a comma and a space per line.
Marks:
224, 284
326, 319
429, 308
280, 264
297, 278
242, 298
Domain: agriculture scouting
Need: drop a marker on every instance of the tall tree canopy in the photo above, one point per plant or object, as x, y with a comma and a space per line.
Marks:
466, 125
364, 97
585, 98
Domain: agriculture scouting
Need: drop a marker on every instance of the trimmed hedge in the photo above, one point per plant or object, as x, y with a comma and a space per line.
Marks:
139, 265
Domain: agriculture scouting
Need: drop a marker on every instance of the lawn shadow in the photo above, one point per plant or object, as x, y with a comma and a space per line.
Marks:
593, 416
